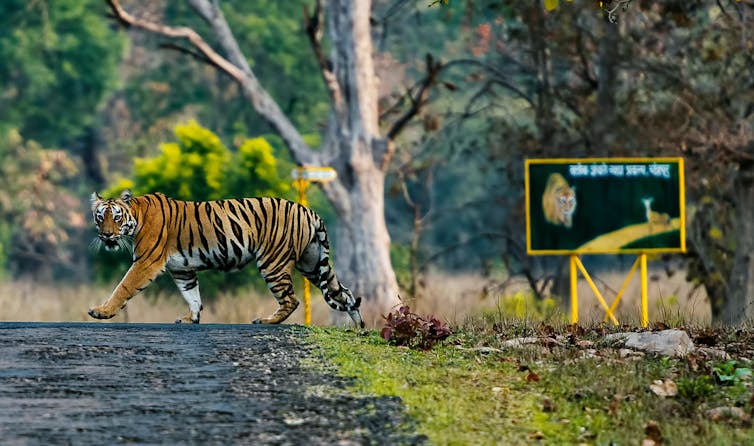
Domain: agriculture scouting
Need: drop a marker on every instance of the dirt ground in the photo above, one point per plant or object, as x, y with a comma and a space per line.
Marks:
90, 383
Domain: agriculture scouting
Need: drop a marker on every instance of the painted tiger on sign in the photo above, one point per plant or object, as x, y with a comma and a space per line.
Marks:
184, 237
559, 201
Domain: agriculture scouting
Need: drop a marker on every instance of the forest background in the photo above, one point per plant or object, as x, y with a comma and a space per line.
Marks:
86, 105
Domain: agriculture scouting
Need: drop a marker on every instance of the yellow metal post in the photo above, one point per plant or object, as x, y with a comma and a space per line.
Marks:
301, 185
303, 176
644, 304
574, 291
595, 290
623, 287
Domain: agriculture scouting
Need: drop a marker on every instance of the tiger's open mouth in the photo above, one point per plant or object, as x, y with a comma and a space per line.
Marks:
110, 242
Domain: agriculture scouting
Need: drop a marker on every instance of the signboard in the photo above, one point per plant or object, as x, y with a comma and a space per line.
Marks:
605, 206
315, 174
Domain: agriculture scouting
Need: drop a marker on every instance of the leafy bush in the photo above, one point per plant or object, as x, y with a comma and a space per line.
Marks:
200, 167
38, 212
406, 328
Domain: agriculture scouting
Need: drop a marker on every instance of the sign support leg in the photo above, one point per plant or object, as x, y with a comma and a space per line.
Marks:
644, 304
623, 287
595, 290
301, 185
574, 291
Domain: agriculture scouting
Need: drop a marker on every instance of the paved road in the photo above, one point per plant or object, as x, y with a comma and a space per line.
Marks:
104, 384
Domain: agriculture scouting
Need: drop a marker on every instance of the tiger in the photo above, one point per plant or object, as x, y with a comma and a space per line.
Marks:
559, 201
184, 237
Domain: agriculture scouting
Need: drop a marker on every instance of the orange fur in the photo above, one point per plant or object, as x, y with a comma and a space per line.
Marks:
559, 201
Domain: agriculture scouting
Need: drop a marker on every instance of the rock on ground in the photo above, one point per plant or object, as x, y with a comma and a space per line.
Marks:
666, 342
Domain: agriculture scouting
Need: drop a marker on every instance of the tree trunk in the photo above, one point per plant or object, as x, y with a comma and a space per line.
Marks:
738, 305
605, 116
353, 146
545, 113
362, 246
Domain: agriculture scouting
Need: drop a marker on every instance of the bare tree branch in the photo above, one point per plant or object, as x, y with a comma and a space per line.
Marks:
419, 99
313, 25
181, 32
235, 65
188, 51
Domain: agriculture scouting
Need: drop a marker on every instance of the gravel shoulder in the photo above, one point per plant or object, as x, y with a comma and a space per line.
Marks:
95, 383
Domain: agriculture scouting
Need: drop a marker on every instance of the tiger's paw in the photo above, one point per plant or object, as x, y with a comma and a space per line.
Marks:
100, 313
187, 320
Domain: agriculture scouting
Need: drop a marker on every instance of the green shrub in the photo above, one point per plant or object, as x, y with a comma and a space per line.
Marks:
198, 166
695, 388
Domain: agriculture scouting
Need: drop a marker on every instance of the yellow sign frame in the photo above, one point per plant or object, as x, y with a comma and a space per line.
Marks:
682, 205
575, 263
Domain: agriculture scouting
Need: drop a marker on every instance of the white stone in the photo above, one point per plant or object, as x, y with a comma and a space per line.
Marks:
666, 342
520, 342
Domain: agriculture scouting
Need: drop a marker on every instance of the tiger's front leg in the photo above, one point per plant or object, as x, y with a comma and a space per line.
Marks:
136, 279
188, 284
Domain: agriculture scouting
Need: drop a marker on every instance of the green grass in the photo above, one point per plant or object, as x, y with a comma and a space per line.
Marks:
457, 399
460, 396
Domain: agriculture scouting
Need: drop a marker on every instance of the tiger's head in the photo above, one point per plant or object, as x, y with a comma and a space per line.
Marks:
114, 220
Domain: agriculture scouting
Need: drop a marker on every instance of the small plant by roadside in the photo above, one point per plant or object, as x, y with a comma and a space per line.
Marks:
695, 388
730, 373
406, 328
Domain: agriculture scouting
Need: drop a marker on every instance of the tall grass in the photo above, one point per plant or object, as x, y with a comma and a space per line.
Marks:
32, 302
452, 298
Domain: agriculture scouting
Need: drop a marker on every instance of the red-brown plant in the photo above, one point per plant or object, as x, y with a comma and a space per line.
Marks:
405, 328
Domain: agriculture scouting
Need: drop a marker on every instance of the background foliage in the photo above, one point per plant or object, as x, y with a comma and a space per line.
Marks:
111, 108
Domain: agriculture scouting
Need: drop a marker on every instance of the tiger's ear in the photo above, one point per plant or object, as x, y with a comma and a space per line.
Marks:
126, 196
94, 200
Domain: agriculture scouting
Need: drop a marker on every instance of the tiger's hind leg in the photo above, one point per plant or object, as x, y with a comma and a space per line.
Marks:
281, 285
314, 264
188, 284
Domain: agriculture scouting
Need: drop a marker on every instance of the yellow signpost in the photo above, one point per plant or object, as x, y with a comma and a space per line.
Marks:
302, 178
605, 206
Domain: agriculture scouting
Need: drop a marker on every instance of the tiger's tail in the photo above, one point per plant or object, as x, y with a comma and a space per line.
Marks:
336, 295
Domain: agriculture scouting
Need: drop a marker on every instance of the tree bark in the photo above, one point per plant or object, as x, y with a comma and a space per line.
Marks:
738, 306
545, 113
362, 245
605, 116
354, 147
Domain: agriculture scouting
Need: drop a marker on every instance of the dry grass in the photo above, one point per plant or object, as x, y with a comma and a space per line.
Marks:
26, 301
671, 300
453, 298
